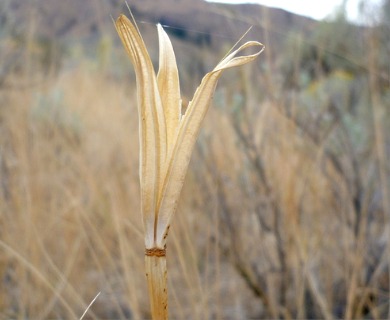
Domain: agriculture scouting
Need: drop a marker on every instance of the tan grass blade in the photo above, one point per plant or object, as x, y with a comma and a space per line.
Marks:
188, 132
169, 87
151, 123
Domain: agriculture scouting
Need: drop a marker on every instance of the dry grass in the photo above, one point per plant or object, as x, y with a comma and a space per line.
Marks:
70, 220
68, 181
278, 216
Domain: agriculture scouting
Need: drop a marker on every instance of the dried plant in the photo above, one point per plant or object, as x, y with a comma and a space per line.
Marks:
167, 139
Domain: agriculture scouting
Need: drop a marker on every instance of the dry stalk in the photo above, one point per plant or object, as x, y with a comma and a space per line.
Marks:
167, 139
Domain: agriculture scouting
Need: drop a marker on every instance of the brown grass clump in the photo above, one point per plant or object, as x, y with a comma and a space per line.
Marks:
66, 176
284, 210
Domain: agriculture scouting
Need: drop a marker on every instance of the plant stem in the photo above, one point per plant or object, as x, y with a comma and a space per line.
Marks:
156, 274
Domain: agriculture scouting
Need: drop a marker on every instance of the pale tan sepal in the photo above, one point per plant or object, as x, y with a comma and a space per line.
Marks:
151, 125
188, 132
167, 139
169, 87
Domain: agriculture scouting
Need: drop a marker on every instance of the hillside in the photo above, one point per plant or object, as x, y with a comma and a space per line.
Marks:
194, 20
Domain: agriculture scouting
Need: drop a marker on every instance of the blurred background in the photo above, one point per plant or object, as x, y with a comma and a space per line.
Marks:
285, 209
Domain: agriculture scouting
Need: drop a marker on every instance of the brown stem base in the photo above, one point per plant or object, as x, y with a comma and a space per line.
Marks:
156, 275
